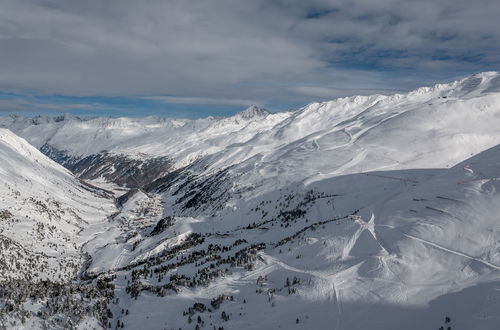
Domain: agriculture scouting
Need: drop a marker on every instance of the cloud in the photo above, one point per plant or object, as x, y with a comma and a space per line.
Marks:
20, 104
169, 106
230, 51
201, 101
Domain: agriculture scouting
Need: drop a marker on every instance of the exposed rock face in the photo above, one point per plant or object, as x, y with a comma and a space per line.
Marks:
120, 201
162, 224
122, 170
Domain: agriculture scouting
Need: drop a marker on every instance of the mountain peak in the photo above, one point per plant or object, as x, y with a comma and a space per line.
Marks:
252, 112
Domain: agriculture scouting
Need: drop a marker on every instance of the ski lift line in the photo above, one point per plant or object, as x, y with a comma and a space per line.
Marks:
449, 199
458, 253
391, 177
435, 209
472, 180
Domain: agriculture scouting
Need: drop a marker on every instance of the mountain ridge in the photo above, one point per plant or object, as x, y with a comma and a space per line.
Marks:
184, 141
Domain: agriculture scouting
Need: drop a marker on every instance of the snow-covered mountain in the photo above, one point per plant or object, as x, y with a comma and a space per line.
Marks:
43, 210
359, 133
372, 212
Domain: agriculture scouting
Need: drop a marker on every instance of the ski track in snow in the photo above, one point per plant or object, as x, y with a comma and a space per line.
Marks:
328, 277
458, 253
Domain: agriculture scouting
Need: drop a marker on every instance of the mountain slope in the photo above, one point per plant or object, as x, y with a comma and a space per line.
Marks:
353, 134
43, 210
423, 243
374, 212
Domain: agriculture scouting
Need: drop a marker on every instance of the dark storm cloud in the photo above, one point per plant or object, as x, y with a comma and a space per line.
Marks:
242, 51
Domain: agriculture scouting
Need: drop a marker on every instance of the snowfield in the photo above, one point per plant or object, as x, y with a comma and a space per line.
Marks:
372, 212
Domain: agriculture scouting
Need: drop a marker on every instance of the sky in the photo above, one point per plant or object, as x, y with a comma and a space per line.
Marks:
191, 59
